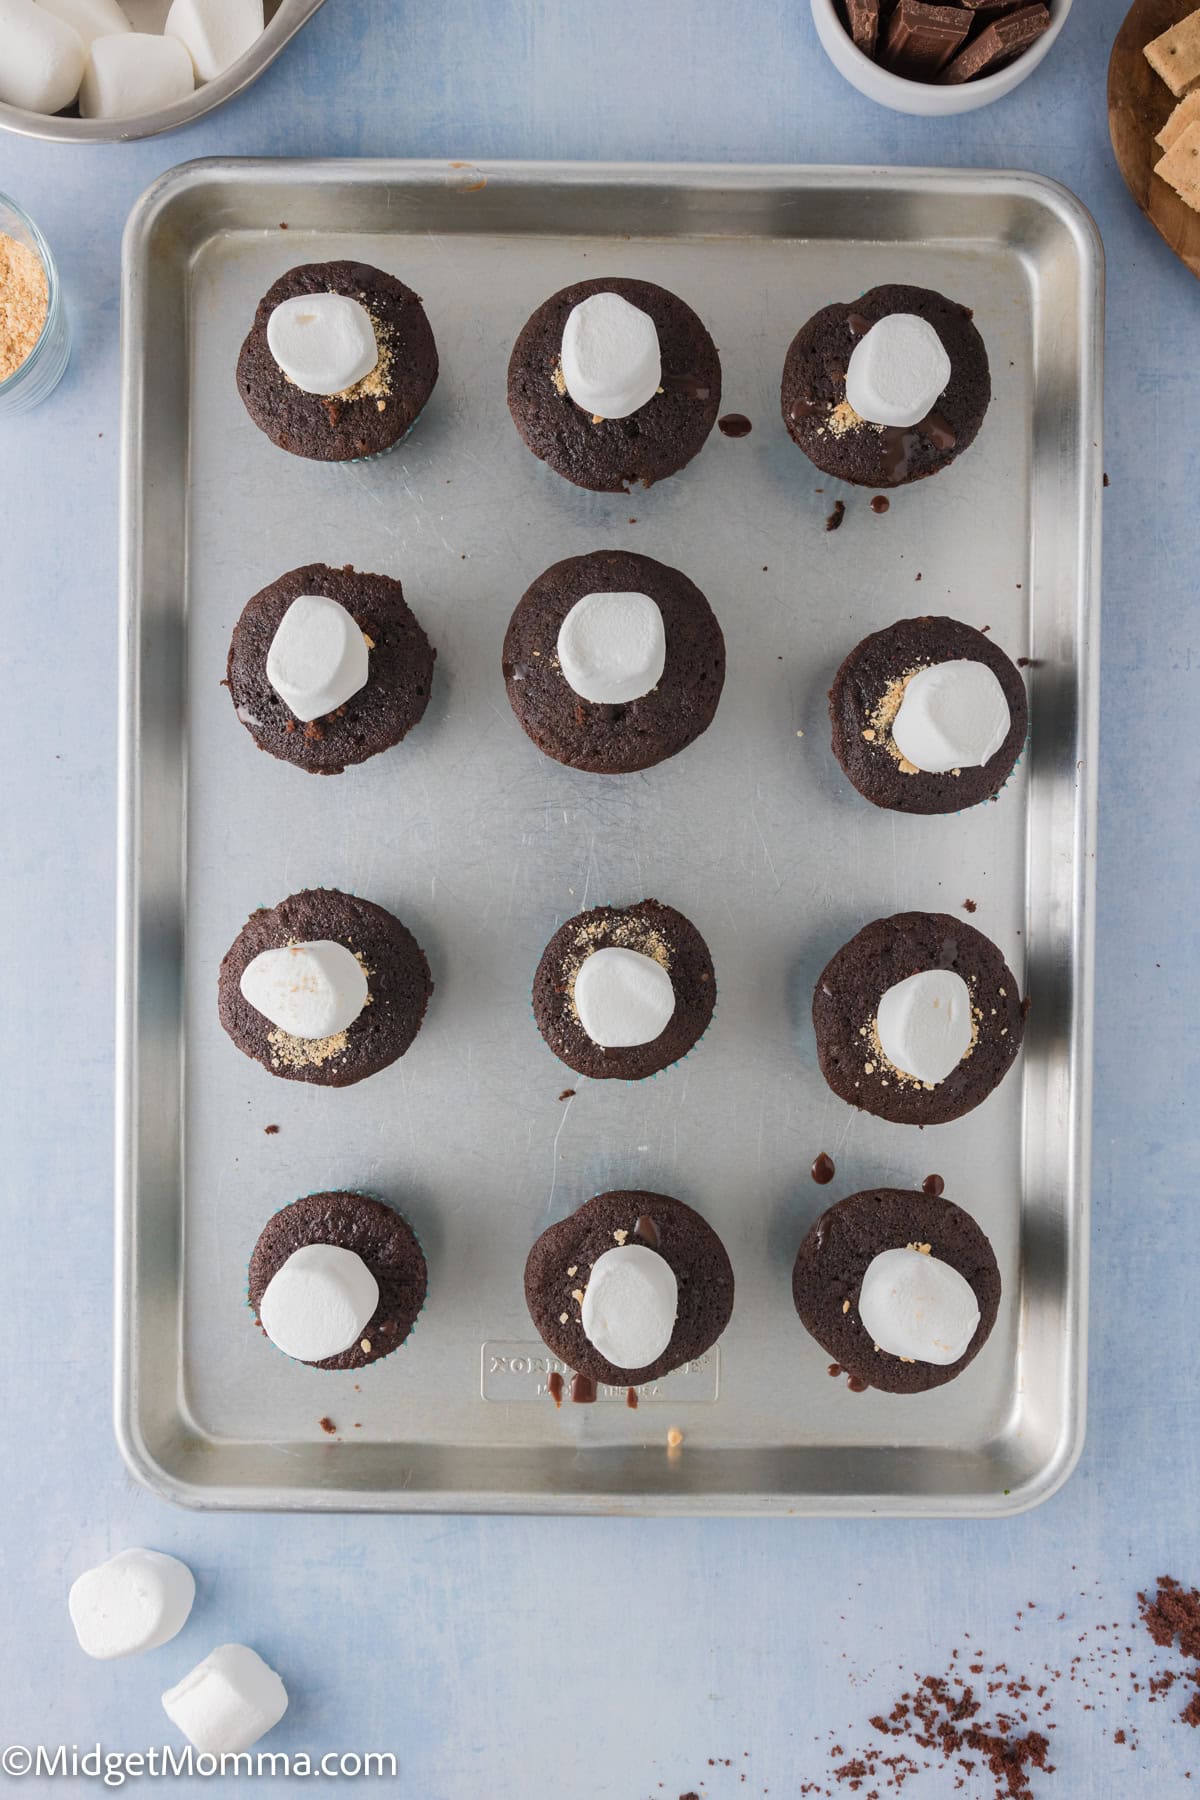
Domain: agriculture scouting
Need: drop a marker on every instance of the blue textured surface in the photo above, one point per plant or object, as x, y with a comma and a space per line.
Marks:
518, 1659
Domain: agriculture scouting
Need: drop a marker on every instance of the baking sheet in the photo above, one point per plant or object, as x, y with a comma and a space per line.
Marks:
483, 846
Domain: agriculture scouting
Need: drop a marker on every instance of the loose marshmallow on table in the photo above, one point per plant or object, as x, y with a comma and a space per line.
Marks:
90, 18
629, 1305
916, 1306
41, 58
897, 371
623, 998
228, 1701
953, 716
924, 1024
311, 991
214, 32
135, 1601
611, 361
612, 647
324, 343
319, 1302
134, 73
318, 657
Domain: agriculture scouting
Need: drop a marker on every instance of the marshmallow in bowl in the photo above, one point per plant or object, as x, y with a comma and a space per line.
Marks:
897, 371
629, 1305
318, 657
916, 1306
41, 58
135, 1601
319, 1302
611, 362
954, 715
90, 18
215, 32
612, 647
134, 72
311, 991
924, 1024
228, 1701
324, 343
623, 998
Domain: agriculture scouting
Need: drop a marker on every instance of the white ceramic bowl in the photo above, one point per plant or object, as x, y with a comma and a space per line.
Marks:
926, 97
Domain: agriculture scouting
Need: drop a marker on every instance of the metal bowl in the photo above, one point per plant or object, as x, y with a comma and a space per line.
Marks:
284, 19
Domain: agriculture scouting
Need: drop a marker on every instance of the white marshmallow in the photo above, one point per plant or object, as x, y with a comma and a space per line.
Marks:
623, 998
214, 32
311, 991
629, 1305
90, 18
228, 1701
135, 1601
324, 343
953, 716
612, 647
611, 361
319, 1302
897, 370
41, 58
924, 1024
132, 73
318, 657
916, 1306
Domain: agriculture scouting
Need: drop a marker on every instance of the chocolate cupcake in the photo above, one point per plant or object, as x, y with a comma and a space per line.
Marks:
328, 667
628, 1288
622, 992
613, 382
613, 662
917, 1019
324, 987
928, 716
339, 362
337, 1280
901, 1289
886, 389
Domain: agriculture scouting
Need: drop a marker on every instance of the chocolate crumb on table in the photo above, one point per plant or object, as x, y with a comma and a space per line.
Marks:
836, 516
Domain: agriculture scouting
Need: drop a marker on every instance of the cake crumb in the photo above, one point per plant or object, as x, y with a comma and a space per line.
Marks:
835, 518
271, 1130
674, 1438
567, 1094
327, 1426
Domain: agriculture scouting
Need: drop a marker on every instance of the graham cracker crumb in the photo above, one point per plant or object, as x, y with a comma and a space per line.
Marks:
24, 303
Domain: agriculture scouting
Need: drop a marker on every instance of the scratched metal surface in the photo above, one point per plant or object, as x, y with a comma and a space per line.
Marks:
483, 846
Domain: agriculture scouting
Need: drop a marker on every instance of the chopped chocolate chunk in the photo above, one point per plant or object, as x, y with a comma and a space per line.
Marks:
863, 19
921, 39
836, 516
1006, 38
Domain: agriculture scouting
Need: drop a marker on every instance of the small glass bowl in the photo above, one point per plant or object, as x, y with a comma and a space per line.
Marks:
46, 363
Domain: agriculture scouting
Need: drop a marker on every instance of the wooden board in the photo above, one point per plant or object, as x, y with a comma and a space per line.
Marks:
1139, 102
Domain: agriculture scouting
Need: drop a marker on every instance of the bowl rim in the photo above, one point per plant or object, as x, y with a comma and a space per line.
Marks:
287, 19
986, 84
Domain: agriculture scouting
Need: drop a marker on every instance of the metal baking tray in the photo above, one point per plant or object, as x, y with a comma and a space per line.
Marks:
483, 845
